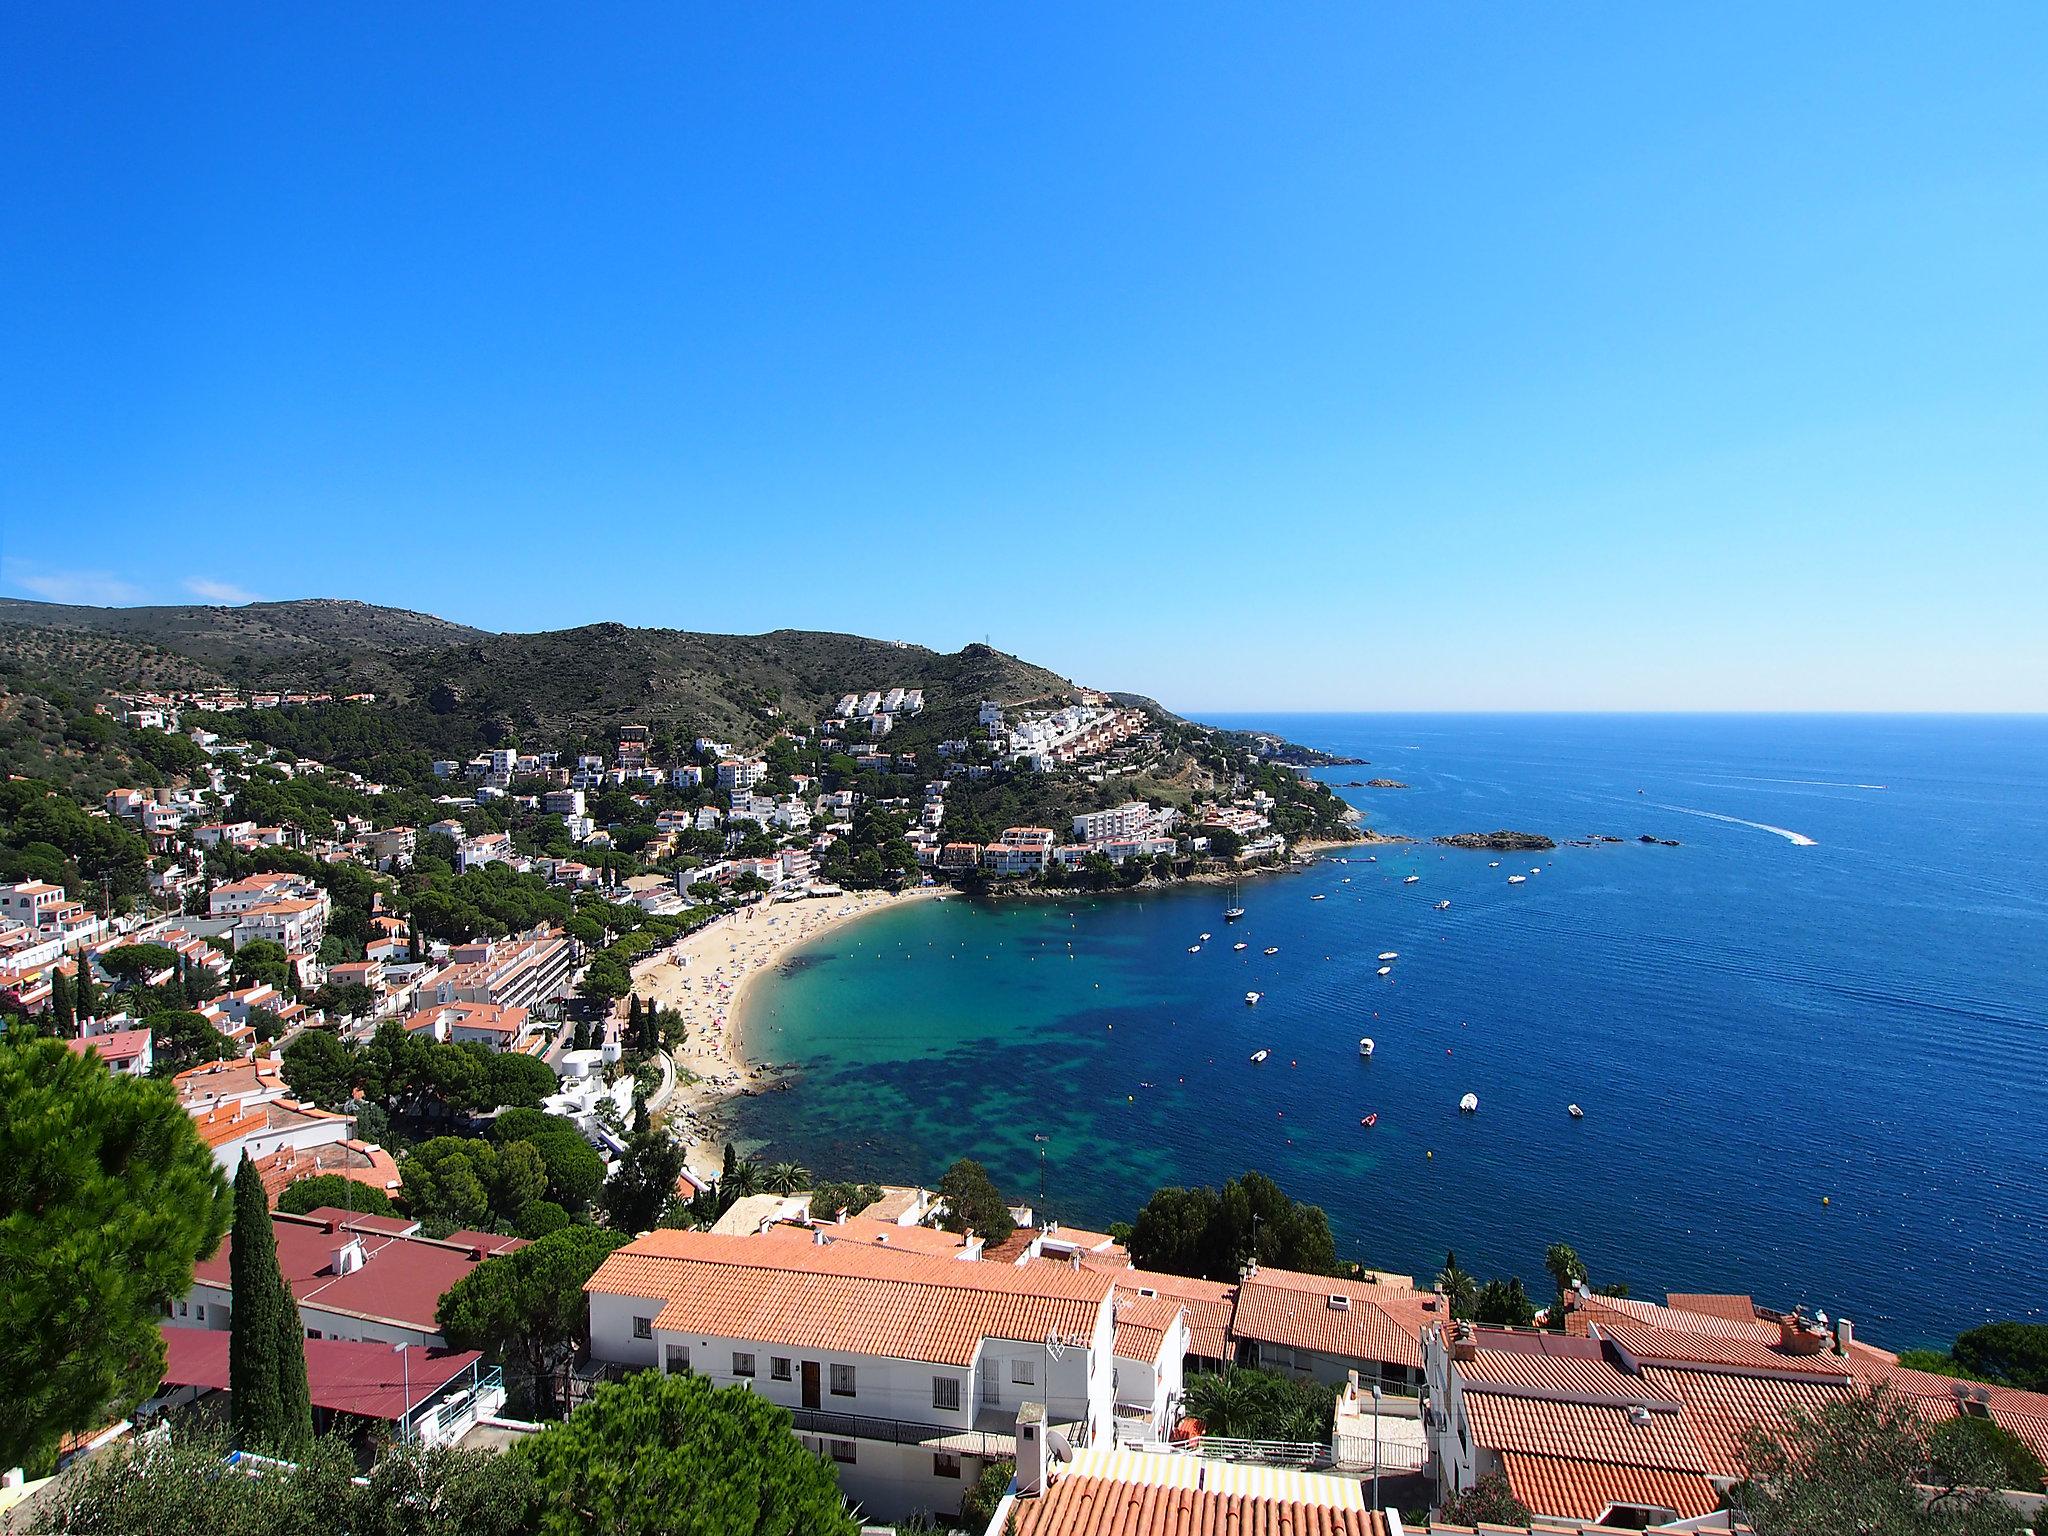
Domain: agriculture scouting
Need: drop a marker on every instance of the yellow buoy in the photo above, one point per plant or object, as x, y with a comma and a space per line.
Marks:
1824, 1200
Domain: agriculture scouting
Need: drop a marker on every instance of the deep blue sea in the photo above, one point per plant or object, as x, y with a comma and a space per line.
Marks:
1815, 1071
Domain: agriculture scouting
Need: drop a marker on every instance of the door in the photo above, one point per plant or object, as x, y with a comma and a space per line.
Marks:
811, 1384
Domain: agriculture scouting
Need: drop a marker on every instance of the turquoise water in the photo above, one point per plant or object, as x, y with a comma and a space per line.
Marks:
1751, 1024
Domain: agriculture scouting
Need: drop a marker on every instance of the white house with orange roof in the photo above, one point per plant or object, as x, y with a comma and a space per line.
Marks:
1325, 1328
906, 1369
127, 1052
462, 1023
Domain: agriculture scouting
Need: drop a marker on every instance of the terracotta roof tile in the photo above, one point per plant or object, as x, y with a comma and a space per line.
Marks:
1727, 1307
1122, 1493
1663, 1345
1582, 1431
1585, 1490
1720, 1407
850, 1296
1276, 1306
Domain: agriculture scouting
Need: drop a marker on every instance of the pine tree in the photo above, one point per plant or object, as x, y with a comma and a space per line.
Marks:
273, 1410
62, 1011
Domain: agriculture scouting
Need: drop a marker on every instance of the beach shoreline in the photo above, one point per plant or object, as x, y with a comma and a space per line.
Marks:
705, 977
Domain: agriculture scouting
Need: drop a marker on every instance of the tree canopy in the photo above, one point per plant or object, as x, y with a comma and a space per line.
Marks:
1858, 1464
973, 1203
575, 1171
643, 1187
527, 1307
1213, 1234
1261, 1405
267, 1393
464, 1181
335, 1189
108, 1198
662, 1455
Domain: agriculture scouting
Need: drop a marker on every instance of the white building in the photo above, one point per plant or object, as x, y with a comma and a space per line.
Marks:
906, 1369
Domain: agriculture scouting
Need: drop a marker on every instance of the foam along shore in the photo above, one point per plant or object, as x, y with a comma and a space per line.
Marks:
705, 975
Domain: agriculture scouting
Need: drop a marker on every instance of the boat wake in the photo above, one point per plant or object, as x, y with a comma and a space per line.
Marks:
1798, 839
1822, 783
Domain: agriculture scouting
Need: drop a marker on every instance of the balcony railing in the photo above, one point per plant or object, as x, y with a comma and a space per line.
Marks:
861, 1426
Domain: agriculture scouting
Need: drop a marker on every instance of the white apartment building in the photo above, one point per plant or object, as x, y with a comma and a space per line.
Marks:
906, 1369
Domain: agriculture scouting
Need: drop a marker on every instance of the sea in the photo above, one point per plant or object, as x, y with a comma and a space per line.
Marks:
1810, 1042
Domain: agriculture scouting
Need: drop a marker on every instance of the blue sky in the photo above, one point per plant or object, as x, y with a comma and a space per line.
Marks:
1265, 357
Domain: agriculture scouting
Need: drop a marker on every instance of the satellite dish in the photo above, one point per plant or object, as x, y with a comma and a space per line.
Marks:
1058, 1445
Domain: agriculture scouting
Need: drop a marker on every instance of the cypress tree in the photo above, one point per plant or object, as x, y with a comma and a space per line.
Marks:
84, 1003
272, 1407
62, 1013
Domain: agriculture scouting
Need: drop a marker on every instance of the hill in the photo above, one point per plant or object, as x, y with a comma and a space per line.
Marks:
444, 688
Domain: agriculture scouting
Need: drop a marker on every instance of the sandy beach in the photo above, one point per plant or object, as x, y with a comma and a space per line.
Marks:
704, 978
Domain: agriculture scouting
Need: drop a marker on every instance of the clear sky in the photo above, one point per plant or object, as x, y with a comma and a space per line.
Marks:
1347, 356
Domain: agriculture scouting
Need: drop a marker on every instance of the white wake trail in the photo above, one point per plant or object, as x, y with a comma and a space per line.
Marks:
1822, 783
1797, 839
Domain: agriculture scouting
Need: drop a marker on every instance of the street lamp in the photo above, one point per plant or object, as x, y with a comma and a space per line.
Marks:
1376, 1395
405, 1365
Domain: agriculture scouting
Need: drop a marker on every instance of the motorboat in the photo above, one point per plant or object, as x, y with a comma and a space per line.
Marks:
1372, 858
1251, 998
1390, 954
1317, 897
1386, 970
1575, 1112
1205, 938
1371, 1120
1365, 1046
1240, 944
1412, 880
1260, 1055
1518, 879
1272, 949
1494, 865
1443, 906
1194, 949
1469, 1105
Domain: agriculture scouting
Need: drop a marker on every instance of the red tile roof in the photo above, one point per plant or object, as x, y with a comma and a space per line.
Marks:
402, 1279
1382, 1323
1209, 1303
1719, 1408
1728, 1308
848, 1296
1663, 1346
1584, 1431
1586, 1490
1123, 1493
367, 1378
114, 1045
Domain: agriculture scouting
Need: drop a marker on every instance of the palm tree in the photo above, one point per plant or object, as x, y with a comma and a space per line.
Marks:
786, 1178
745, 1179
1562, 1260
1459, 1289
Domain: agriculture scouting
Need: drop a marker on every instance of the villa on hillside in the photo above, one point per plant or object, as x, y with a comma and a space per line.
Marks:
907, 1369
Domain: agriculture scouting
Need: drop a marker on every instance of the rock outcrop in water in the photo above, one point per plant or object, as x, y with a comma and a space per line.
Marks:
1384, 784
1500, 842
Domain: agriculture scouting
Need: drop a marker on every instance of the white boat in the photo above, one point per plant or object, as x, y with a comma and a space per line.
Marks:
1345, 881
1443, 906
1240, 945
1272, 949
1194, 949
1575, 1112
1411, 880
1518, 879
1317, 897
1386, 970
1469, 1105
1372, 858
1233, 914
1260, 1055
1390, 954
1251, 998
1205, 938
1494, 865
1365, 1046
1535, 869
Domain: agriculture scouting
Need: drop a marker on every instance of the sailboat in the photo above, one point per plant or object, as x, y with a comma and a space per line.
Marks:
1233, 911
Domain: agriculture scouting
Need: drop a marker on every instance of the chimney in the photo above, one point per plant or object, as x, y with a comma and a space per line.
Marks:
348, 1258
1464, 1341
1845, 1334
1796, 1337
818, 1236
1074, 1259
1033, 1463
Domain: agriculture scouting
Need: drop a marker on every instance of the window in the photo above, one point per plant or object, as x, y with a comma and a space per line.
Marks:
842, 1383
184, 1309
842, 1451
643, 1327
200, 1311
778, 1367
676, 1359
945, 1465
742, 1363
946, 1393
1024, 1373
